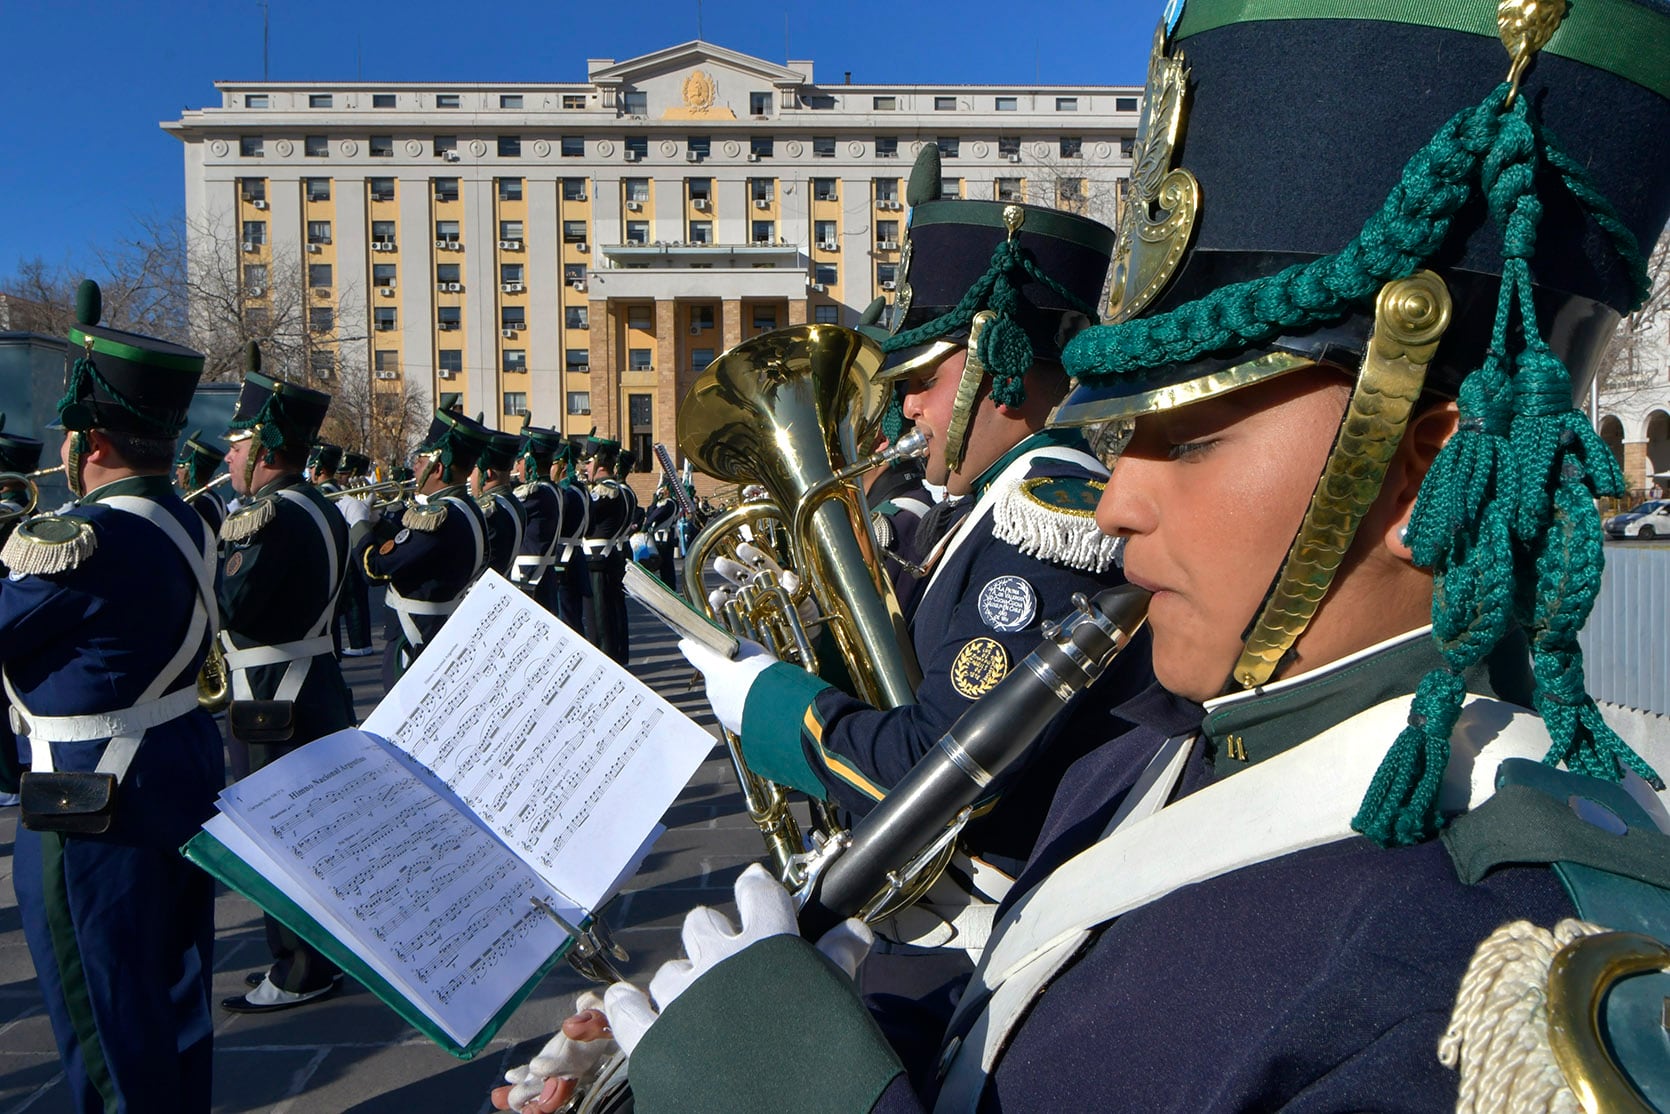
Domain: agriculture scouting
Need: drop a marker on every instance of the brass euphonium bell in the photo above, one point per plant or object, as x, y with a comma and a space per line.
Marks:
214, 683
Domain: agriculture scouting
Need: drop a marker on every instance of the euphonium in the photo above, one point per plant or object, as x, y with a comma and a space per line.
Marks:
214, 683
26, 480
789, 410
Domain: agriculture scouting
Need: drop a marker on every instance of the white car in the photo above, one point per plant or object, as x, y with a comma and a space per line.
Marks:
1649, 520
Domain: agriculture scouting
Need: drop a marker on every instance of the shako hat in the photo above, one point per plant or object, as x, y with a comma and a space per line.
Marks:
124, 382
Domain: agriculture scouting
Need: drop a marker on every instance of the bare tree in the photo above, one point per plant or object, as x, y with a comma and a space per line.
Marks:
1636, 361
139, 280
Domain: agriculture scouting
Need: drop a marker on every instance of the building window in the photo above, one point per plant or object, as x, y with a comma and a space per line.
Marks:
382, 100
382, 274
252, 189
318, 231
887, 232
574, 146
887, 146
823, 146
510, 189
637, 231
635, 103
448, 272
446, 100
577, 361
510, 146
510, 230
510, 272
949, 146
763, 231
1009, 189
449, 361
637, 147
515, 359
255, 100
446, 189
515, 403
639, 415
251, 147
819, 101
383, 319
1127, 146
382, 231
700, 358
701, 232
446, 145
759, 104
700, 146
574, 273
826, 274
1069, 194
823, 231
701, 317
826, 315
887, 189
315, 147
449, 319
321, 319
576, 317
1066, 104
382, 189
574, 100
636, 190
573, 189
386, 359
765, 318
945, 104
1008, 146
446, 231
950, 187
884, 104
825, 189
886, 273
318, 100
761, 146
255, 232
761, 189
1008, 104
513, 317
1072, 147
579, 402
255, 276
382, 147
317, 189
1124, 104
699, 189
322, 364
573, 231
640, 317
639, 359
510, 100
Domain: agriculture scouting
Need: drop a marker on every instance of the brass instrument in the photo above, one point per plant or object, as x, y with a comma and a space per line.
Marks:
214, 681
386, 493
9, 513
789, 410
224, 477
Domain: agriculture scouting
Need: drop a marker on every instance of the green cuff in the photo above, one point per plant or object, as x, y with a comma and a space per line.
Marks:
774, 1027
772, 718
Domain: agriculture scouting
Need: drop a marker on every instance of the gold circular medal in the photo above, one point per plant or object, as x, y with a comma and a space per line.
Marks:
978, 667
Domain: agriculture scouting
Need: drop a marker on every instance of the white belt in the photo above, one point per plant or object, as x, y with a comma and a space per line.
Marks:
97, 725
405, 609
595, 547
529, 570
239, 662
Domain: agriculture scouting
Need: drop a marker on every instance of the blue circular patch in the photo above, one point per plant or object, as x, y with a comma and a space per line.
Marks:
1008, 603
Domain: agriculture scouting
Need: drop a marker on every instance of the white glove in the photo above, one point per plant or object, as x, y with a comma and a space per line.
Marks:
728, 679
754, 562
355, 510
765, 909
561, 1057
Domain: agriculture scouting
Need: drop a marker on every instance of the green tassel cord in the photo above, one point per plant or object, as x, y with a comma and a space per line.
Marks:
1506, 517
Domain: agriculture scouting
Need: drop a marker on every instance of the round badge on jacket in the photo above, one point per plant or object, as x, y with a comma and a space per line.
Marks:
1008, 604
978, 667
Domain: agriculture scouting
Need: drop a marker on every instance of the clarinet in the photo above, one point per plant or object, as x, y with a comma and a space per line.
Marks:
860, 868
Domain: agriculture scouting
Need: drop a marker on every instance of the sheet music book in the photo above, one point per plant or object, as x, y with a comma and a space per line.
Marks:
514, 764
673, 610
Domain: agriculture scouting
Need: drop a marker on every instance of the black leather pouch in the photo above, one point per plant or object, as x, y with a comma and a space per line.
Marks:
262, 721
62, 801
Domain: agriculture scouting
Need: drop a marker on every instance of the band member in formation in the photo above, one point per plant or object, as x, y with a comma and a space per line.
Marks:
104, 622
323, 465
538, 568
195, 468
660, 533
356, 469
609, 524
569, 580
19, 455
429, 551
285, 555
1333, 865
353, 608
1027, 545
507, 521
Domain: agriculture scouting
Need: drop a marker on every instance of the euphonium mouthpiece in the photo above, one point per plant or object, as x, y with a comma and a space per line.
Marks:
912, 444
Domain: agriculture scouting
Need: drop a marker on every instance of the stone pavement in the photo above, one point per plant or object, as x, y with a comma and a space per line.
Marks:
352, 1053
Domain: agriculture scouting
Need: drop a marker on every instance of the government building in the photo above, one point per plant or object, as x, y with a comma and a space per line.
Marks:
581, 251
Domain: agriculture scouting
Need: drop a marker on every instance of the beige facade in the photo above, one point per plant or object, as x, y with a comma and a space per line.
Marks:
581, 250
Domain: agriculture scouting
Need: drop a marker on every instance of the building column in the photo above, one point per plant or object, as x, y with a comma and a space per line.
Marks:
730, 324
669, 369
605, 369
797, 311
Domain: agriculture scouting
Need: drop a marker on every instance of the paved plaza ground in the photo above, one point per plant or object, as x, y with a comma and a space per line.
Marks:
352, 1053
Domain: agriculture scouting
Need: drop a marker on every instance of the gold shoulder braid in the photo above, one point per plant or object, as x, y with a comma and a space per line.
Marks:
49, 544
487, 503
425, 518
605, 489
246, 522
527, 489
1054, 518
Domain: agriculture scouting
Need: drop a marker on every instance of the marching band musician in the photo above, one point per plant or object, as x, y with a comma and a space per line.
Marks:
354, 606
429, 551
285, 556
323, 465
609, 523
556, 518
569, 580
1024, 547
20, 455
1336, 865
196, 465
104, 622
660, 523
356, 467
507, 520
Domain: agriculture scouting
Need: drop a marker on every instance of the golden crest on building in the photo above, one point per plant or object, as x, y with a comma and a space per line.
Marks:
700, 94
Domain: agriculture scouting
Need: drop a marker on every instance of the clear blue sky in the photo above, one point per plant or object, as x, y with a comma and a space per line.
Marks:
85, 84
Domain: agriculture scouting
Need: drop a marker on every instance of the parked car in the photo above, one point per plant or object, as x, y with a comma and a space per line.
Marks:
1649, 520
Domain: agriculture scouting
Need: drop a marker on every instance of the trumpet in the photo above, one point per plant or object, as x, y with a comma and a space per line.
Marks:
386, 493
216, 482
26, 480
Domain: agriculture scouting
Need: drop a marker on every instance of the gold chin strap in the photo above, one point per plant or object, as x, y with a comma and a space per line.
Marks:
1410, 316
968, 390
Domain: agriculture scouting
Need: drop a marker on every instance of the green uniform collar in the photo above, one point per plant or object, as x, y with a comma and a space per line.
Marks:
461, 490
148, 487
1068, 438
1247, 728
289, 479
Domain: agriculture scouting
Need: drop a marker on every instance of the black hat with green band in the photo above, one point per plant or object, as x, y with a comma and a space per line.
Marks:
124, 382
200, 457
540, 444
501, 450
18, 453
604, 449
455, 439
327, 457
356, 464
281, 415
